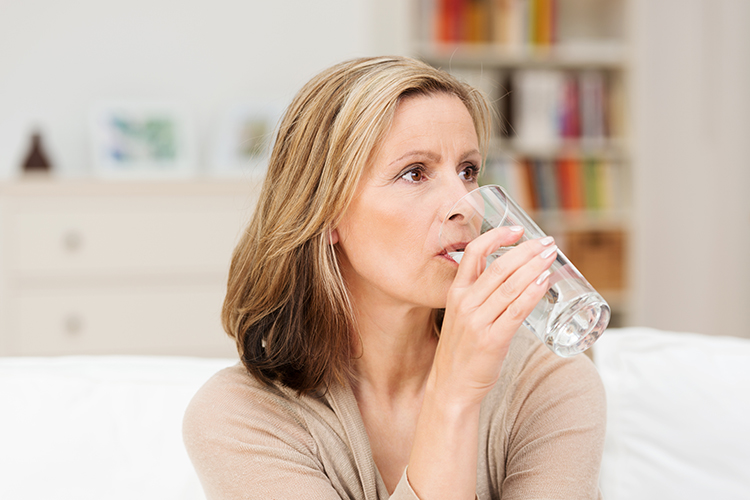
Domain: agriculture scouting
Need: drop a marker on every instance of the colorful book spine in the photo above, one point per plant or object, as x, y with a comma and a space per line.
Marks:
553, 105
505, 22
532, 193
564, 187
568, 183
511, 175
577, 199
591, 184
592, 104
544, 22
550, 186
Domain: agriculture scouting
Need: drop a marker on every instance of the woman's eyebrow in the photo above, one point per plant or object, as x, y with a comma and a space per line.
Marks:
471, 152
430, 155
418, 153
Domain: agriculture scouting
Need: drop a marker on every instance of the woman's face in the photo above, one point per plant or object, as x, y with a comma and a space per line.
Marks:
388, 239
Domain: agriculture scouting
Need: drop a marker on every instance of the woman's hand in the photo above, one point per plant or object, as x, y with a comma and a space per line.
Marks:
485, 308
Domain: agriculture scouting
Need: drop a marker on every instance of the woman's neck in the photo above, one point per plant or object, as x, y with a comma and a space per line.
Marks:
394, 350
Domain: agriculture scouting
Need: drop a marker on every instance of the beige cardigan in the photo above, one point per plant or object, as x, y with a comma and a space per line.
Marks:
541, 436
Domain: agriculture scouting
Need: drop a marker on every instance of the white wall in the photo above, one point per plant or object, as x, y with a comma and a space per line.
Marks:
692, 165
58, 58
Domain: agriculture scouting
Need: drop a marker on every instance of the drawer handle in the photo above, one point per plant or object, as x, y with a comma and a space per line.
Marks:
73, 325
72, 241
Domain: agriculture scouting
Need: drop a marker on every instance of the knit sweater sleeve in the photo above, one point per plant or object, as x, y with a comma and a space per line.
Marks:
249, 441
246, 443
553, 430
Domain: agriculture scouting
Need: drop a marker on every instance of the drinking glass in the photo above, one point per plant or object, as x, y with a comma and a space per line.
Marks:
571, 315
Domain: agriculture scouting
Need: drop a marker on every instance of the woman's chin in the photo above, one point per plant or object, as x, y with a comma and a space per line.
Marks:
439, 292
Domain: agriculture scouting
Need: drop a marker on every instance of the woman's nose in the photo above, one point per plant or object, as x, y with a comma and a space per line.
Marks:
452, 211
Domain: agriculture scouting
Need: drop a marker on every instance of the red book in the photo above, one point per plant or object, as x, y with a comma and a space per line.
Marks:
444, 20
563, 183
571, 126
451, 14
459, 12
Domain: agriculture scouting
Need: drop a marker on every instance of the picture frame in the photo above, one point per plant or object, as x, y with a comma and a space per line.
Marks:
243, 139
141, 140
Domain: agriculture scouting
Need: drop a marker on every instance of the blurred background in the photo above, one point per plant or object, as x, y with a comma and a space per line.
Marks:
133, 135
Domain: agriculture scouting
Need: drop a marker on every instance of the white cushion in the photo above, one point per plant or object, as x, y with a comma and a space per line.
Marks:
98, 427
678, 415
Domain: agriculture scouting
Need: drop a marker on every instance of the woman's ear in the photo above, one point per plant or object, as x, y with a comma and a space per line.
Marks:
333, 236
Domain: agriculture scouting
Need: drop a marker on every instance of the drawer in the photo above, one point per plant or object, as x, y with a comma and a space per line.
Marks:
138, 236
146, 321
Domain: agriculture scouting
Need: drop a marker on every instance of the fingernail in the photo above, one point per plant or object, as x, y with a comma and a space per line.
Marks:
516, 229
543, 277
546, 241
549, 251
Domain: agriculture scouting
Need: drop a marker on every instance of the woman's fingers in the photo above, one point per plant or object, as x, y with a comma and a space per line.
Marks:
482, 316
475, 255
515, 296
518, 310
499, 271
486, 307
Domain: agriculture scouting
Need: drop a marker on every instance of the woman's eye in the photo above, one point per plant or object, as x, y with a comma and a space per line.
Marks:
469, 173
414, 175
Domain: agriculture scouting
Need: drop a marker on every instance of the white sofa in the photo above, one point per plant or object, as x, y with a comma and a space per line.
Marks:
108, 428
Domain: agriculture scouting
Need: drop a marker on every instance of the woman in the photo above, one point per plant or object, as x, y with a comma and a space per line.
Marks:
373, 365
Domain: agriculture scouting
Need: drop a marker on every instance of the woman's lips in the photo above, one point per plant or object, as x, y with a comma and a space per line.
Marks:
448, 258
456, 248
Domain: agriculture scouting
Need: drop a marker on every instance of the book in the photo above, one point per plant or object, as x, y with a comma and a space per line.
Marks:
524, 14
544, 22
518, 185
530, 21
504, 31
450, 20
550, 182
505, 108
591, 184
510, 174
530, 183
570, 121
591, 101
511, 23
539, 185
605, 194
536, 103
577, 195
564, 188
477, 19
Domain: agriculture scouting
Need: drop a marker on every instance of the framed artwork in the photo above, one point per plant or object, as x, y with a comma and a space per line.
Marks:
243, 139
141, 141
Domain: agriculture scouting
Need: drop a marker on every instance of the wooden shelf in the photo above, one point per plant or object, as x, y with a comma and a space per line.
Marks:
608, 147
605, 55
581, 220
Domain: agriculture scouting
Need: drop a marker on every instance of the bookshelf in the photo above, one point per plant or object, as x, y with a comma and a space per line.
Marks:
557, 73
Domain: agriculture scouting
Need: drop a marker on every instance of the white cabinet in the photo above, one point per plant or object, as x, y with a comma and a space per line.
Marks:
117, 268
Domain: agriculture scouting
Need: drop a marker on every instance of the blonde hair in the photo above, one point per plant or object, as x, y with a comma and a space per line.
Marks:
287, 306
